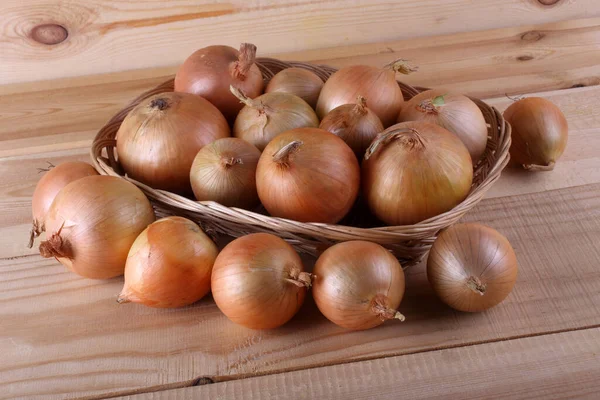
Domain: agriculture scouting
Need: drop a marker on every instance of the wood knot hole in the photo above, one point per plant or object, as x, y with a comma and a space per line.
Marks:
49, 34
532, 36
548, 2
525, 58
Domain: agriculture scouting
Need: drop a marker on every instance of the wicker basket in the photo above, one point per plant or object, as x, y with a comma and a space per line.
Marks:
409, 243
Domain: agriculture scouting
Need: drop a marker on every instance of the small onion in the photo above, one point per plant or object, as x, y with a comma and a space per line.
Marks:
308, 175
358, 285
48, 187
298, 81
539, 133
376, 84
169, 265
258, 281
158, 140
225, 171
471, 267
210, 71
455, 112
414, 171
268, 115
356, 124
93, 222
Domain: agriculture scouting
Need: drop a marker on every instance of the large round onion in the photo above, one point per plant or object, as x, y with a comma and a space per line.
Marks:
158, 140
299, 81
455, 112
308, 175
414, 171
210, 71
92, 224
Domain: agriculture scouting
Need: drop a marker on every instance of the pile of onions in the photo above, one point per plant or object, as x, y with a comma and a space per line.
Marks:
258, 281
209, 72
268, 115
159, 138
358, 285
376, 84
471, 267
455, 112
414, 171
356, 124
298, 81
539, 133
225, 171
169, 265
92, 224
308, 175
48, 187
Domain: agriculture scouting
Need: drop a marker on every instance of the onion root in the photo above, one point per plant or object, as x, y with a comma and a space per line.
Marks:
245, 60
402, 66
475, 284
55, 246
383, 311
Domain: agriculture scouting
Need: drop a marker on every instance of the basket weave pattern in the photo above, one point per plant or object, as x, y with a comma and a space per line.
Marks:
409, 243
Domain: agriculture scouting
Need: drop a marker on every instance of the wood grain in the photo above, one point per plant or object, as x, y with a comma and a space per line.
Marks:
62, 334
116, 35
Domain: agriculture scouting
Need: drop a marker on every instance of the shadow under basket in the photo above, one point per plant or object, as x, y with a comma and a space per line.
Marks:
409, 243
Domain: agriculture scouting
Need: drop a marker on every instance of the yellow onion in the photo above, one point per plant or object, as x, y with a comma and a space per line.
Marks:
455, 112
356, 124
539, 133
298, 81
169, 265
268, 115
158, 140
225, 171
358, 285
414, 171
308, 175
92, 224
471, 267
211, 70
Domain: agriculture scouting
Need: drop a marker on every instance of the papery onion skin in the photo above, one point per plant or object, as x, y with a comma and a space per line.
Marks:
158, 140
270, 114
454, 112
471, 267
358, 285
258, 281
298, 81
539, 133
308, 175
169, 265
225, 171
92, 224
414, 171
210, 71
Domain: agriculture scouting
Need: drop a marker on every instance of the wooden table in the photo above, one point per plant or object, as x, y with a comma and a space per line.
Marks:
64, 336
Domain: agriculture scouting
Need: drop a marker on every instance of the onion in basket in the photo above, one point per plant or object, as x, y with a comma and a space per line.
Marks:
414, 171
308, 175
358, 285
471, 267
299, 81
158, 140
225, 171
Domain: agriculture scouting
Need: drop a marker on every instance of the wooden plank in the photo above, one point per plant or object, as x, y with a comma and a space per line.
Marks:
116, 35
558, 366
65, 335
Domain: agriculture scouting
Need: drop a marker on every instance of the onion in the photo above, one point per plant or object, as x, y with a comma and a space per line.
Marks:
158, 140
210, 71
298, 81
269, 115
376, 84
258, 281
225, 171
169, 265
93, 222
414, 171
455, 112
471, 267
308, 175
48, 187
358, 285
539, 133
355, 124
